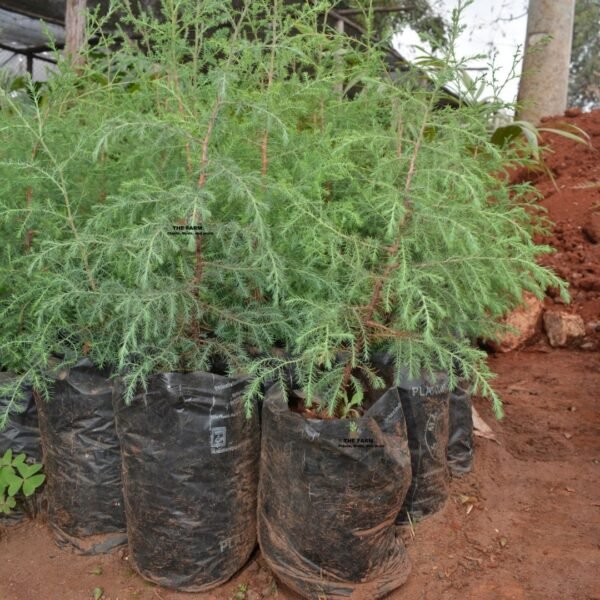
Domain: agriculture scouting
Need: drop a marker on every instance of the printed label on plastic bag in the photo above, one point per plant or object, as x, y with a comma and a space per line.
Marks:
218, 438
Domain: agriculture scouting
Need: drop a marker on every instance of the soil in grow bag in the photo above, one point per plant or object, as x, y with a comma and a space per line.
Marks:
82, 461
22, 434
328, 499
190, 476
460, 440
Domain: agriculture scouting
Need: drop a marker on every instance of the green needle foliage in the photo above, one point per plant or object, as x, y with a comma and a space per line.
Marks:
243, 188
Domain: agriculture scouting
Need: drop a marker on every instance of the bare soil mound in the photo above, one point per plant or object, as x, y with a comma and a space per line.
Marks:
571, 190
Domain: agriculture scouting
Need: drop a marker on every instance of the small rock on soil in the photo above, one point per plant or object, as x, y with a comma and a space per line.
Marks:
525, 320
592, 228
563, 328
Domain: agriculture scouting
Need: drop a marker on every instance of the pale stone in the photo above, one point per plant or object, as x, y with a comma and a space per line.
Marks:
524, 320
563, 328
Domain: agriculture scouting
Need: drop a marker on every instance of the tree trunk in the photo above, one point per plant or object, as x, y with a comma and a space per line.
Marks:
75, 29
545, 79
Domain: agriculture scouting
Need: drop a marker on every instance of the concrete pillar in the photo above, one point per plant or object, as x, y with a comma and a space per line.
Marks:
545, 80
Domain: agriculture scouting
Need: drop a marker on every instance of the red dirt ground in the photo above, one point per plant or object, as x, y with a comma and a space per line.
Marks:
524, 525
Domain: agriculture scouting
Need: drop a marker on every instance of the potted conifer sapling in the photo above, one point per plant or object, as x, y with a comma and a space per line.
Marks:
47, 302
409, 244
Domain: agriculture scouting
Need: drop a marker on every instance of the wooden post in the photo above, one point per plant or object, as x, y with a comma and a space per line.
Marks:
75, 30
545, 80
29, 58
340, 28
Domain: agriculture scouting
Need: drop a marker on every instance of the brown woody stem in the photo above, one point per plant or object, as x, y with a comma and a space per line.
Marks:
391, 266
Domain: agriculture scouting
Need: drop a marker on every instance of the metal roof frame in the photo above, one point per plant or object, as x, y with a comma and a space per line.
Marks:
24, 19
30, 21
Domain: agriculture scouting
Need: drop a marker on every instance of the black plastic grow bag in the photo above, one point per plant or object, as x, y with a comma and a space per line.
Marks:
22, 434
328, 500
190, 475
425, 402
460, 440
82, 461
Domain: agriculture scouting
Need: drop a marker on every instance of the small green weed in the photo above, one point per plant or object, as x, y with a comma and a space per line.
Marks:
16, 478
